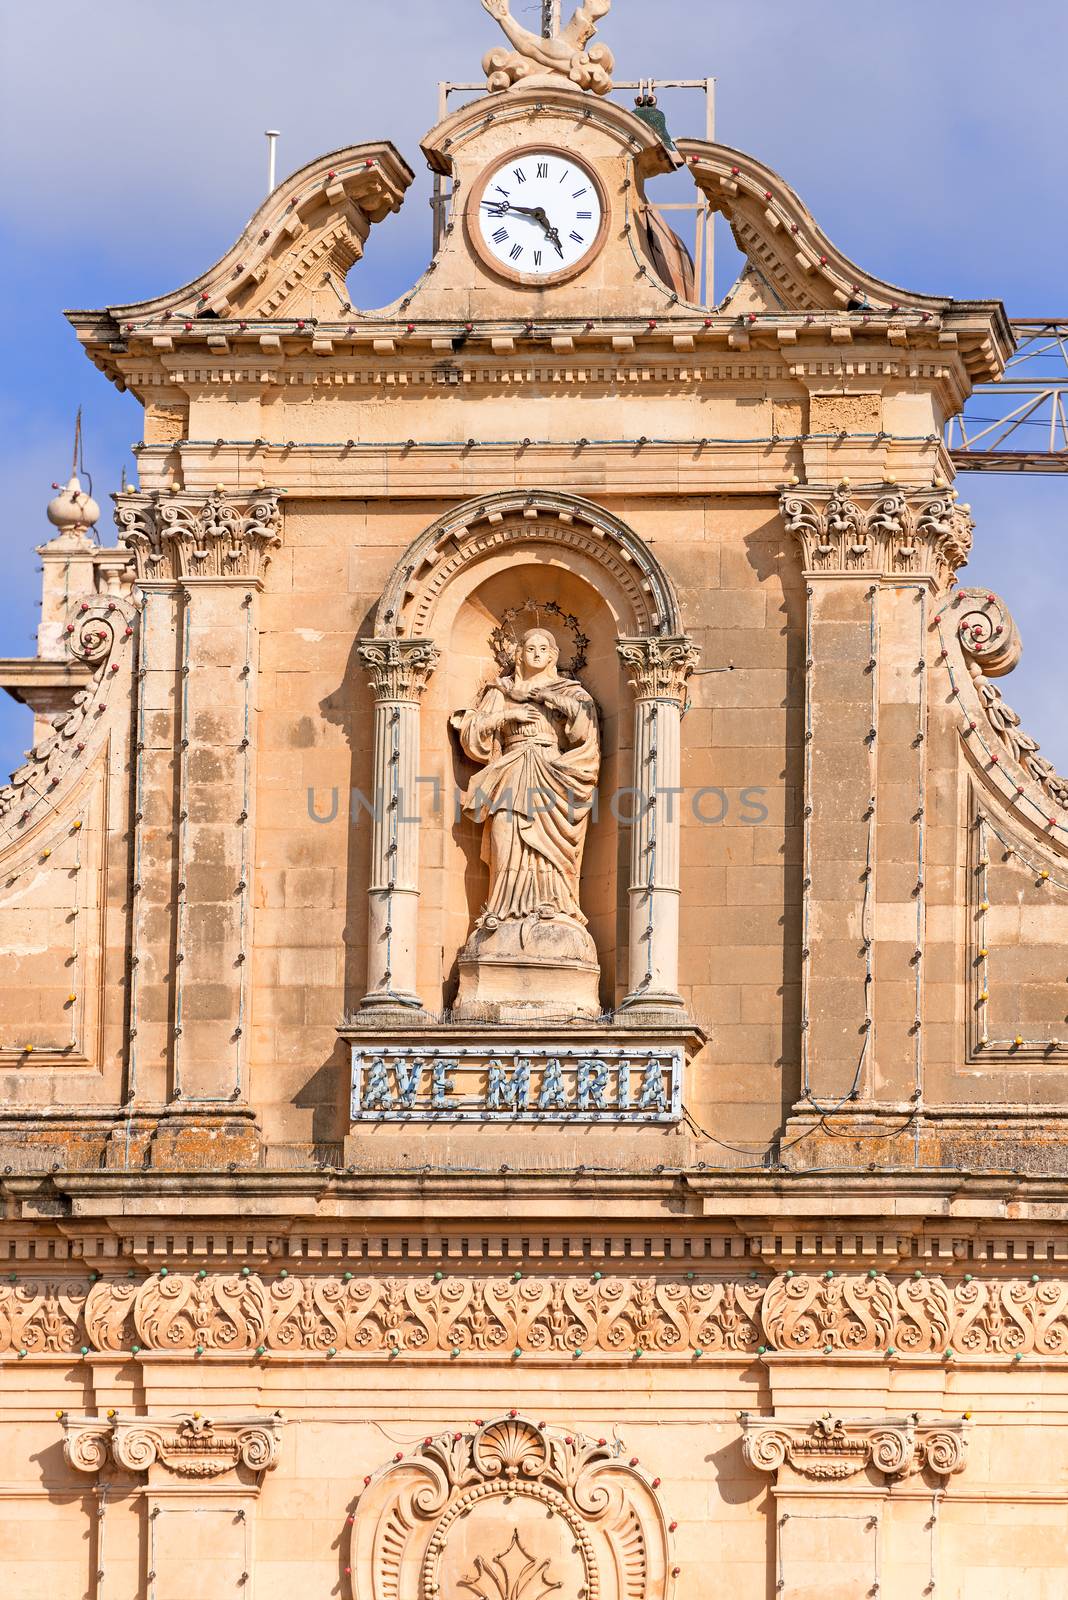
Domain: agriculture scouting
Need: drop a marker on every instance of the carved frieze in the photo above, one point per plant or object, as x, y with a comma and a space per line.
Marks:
440, 1314
832, 1449
187, 535
188, 1446
512, 1511
900, 531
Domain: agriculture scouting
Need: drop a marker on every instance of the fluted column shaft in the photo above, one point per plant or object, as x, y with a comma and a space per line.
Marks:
658, 669
399, 670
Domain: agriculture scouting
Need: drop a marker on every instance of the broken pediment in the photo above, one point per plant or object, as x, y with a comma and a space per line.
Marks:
791, 264
292, 258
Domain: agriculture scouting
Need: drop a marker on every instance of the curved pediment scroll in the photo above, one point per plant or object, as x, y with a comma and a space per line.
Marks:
310, 228
512, 1511
803, 271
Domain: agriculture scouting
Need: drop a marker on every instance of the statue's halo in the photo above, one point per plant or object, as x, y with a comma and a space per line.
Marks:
518, 620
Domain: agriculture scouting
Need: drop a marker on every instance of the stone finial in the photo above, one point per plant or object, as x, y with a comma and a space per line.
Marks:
399, 669
658, 668
561, 61
72, 510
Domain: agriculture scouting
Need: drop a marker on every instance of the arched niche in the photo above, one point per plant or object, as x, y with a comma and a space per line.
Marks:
455, 584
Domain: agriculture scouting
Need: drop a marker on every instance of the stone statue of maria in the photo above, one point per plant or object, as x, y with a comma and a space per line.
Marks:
534, 733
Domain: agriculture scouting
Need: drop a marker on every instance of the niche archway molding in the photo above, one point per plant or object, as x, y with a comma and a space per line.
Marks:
412, 622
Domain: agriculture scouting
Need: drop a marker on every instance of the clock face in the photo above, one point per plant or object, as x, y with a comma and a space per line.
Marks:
540, 216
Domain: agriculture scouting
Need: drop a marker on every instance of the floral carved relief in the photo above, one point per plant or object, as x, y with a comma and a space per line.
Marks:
631, 1318
512, 1511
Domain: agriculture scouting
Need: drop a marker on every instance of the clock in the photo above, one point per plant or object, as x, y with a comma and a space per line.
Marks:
537, 217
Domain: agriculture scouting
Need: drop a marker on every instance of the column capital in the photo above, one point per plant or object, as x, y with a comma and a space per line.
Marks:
399, 669
658, 667
223, 536
888, 532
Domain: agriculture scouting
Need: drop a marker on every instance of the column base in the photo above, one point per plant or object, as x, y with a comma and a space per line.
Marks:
392, 1000
652, 1000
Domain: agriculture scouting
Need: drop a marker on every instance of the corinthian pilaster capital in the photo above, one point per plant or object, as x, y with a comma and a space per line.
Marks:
185, 535
658, 668
399, 669
921, 531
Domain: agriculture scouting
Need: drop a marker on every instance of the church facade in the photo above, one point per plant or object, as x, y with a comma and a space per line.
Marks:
532, 1016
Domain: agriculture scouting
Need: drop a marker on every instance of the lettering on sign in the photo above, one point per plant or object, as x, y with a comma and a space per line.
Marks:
545, 1083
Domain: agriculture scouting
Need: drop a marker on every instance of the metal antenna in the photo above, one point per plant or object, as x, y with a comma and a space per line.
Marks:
77, 442
272, 136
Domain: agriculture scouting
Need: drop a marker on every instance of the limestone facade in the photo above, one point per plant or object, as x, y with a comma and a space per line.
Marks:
748, 1268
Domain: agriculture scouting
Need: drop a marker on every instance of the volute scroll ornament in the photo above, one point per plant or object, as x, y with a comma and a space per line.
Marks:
834, 1449
188, 1446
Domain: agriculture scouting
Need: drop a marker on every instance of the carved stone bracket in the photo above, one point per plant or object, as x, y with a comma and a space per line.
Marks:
189, 1446
399, 669
474, 1315
832, 1449
921, 532
658, 668
512, 1511
183, 535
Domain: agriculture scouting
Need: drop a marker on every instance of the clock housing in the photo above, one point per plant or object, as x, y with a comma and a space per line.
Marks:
474, 277
537, 216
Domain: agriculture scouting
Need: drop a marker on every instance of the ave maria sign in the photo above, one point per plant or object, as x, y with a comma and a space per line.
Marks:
547, 1082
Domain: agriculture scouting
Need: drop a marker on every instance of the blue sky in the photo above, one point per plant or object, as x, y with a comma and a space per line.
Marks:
926, 137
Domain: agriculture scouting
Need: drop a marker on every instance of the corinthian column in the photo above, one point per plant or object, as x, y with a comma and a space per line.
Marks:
399, 670
658, 669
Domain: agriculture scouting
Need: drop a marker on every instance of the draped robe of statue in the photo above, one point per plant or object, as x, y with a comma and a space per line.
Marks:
535, 737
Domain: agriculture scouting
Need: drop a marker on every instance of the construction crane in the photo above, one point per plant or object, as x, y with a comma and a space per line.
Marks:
1019, 424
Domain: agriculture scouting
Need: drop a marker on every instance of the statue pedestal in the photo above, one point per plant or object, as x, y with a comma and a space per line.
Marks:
528, 968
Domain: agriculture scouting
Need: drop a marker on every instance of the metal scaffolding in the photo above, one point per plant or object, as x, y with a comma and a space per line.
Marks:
1019, 424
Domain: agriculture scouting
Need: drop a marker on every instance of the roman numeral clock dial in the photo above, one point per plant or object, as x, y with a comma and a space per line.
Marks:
537, 217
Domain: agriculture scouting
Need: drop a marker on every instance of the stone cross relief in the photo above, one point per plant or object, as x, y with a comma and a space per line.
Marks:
565, 60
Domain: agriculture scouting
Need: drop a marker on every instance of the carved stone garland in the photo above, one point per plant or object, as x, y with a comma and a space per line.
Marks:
513, 1511
494, 1317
